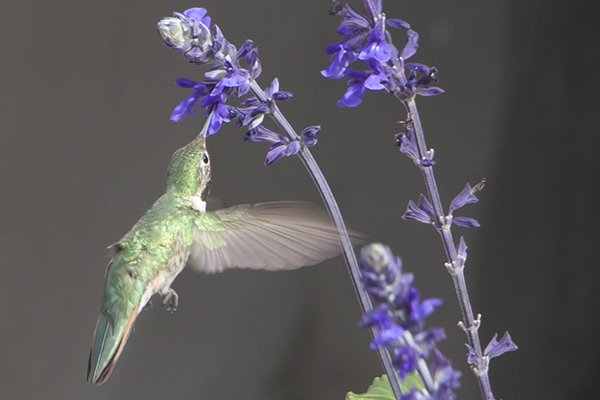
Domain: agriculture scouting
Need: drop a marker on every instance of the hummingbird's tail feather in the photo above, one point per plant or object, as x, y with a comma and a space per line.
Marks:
108, 343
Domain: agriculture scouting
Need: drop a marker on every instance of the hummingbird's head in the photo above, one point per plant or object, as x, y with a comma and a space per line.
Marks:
122, 302
189, 170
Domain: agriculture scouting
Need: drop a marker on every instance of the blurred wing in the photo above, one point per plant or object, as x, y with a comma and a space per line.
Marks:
271, 236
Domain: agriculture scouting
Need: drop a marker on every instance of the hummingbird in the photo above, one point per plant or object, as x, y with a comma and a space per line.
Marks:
178, 231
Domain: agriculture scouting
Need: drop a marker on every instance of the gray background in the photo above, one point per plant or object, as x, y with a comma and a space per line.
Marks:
86, 88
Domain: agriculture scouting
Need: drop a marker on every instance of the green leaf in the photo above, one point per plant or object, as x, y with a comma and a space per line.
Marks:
380, 389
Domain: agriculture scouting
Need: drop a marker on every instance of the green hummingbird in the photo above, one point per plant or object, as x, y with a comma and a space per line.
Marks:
178, 231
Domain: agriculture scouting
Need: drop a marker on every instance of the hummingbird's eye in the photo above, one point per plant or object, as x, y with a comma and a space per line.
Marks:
205, 158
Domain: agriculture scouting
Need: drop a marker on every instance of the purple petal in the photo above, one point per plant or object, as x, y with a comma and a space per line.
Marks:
445, 378
397, 23
430, 91
375, 81
262, 134
282, 96
411, 46
182, 109
273, 87
390, 336
466, 222
462, 250
275, 153
405, 359
428, 339
408, 144
379, 317
185, 83
352, 22
465, 197
311, 131
417, 67
374, 5
425, 205
353, 96
292, 148
196, 13
498, 347
472, 357
415, 213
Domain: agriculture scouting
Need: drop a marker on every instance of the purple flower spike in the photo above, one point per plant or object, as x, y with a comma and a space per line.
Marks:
498, 347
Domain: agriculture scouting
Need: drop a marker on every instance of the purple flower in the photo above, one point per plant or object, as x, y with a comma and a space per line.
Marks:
356, 89
445, 378
186, 107
420, 77
359, 82
262, 134
465, 197
399, 315
220, 115
285, 148
405, 358
353, 23
411, 46
309, 135
341, 57
422, 211
465, 222
388, 337
273, 92
498, 347
376, 48
189, 33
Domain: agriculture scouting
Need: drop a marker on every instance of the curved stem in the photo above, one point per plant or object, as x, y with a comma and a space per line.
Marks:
334, 211
470, 325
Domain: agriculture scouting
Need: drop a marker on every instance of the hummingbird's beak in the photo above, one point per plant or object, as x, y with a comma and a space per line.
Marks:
109, 339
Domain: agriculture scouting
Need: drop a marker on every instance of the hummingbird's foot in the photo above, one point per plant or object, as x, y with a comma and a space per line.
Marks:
148, 306
170, 300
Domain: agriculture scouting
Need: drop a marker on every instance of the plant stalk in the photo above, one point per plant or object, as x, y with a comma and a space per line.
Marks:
469, 324
347, 251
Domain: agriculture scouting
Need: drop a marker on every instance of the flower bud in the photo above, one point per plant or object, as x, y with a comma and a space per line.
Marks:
176, 33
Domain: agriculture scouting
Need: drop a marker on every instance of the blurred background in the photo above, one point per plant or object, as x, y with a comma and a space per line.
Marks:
86, 90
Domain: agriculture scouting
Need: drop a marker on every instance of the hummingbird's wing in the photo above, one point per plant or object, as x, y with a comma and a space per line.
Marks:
271, 236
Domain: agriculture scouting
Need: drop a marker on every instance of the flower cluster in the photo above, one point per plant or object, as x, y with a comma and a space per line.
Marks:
366, 39
232, 73
422, 211
399, 315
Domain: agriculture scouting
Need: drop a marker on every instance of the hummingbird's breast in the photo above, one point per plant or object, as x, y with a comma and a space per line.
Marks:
161, 282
